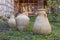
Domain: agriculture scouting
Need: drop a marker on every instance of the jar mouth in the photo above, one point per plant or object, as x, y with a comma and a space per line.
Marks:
41, 9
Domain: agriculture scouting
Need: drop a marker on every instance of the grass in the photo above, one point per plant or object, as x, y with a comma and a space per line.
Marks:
13, 34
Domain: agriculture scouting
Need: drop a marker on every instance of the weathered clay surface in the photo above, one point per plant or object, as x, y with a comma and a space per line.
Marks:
22, 21
12, 21
41, 25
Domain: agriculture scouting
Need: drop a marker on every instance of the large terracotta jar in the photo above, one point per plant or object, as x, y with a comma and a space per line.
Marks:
41, 25
22, 21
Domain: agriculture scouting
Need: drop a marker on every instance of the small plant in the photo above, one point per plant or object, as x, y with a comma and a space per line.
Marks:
4, 25
54, 6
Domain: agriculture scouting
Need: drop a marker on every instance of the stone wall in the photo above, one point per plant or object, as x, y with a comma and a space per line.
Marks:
6, 6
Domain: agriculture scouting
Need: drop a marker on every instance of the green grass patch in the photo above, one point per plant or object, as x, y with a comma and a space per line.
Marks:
13, 34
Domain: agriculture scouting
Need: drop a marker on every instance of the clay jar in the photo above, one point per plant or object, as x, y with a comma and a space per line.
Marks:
41, 25
12, 21
22, 21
